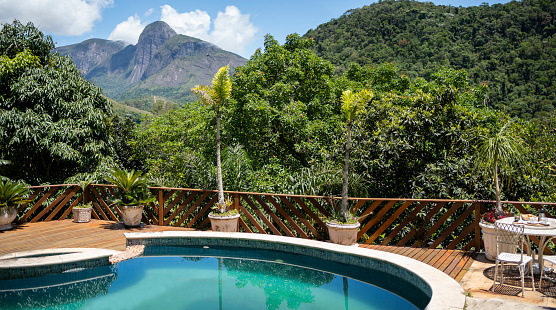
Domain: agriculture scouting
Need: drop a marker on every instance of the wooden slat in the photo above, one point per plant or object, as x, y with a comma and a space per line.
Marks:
404, 223
203, 210
301, 217
309, 212
452, 227
388, 222
293, 223
274, 217
260, 215
69, 195
172, 203
180, 208
192, 208
101, 203
38, 204
252, 219
366, 213
319, 207
420, 230
376, 219
51, 205
439, 222
68, 210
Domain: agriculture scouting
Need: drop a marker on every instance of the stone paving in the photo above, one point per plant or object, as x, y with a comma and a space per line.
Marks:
479, 279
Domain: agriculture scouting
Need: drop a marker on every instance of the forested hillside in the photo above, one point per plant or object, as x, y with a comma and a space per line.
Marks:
282, 129
511, 47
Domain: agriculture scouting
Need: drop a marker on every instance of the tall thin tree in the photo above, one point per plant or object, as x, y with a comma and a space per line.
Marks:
353, 105
500, 150
217, 96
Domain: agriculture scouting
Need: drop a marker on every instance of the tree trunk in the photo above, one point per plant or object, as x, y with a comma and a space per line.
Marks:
499, 210
344, 207
221, 200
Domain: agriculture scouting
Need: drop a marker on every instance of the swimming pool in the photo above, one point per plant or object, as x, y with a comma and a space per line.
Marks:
204, 270
210, 278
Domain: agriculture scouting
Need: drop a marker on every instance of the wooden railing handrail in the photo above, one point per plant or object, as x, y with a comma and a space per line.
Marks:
535, 203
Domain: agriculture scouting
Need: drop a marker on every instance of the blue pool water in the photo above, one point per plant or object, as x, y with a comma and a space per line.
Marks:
204, 278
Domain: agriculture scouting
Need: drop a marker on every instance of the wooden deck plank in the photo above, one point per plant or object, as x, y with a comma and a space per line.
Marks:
110, 235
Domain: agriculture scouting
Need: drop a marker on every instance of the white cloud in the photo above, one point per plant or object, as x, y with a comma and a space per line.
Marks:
194, 24
149, 12
61, 17
232, 30
128, 31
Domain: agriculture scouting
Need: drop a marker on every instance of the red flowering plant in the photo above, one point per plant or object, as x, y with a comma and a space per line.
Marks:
490, 217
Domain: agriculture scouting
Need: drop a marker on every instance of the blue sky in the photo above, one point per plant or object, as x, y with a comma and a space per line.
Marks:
237, 26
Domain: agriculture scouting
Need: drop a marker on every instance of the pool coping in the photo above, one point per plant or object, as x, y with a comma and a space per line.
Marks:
21, 265
447, 294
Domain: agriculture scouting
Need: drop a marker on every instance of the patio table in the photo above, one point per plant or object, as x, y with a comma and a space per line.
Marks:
545, 234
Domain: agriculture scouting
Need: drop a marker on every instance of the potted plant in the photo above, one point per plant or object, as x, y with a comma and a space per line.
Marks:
82, 212
223, 217
500, 149
11, 196
343, 229
132, 195
217, 96
489, 233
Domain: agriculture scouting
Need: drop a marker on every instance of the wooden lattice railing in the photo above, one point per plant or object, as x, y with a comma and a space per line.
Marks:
432, 223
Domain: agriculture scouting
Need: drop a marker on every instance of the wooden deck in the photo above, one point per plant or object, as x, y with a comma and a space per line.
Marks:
110, 235
454, 263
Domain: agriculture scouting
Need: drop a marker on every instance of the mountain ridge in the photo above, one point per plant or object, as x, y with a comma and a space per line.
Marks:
162, 63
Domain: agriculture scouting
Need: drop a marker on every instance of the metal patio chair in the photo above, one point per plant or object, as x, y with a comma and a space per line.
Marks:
551, 259
510, 234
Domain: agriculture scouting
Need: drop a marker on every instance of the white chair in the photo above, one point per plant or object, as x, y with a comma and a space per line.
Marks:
551, 259
509, 234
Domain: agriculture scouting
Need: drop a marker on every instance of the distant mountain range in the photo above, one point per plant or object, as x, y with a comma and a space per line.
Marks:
163, 63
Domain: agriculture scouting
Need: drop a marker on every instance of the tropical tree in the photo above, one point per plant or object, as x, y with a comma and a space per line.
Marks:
500, 150
53, 122
217, 96
353, 104
284, 105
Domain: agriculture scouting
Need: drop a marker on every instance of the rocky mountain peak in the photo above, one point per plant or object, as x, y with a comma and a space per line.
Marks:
151, 39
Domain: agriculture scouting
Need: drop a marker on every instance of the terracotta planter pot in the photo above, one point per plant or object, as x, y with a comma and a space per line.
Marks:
489, 239
81, 215
224, 223
7, 216
131, 215
344, 234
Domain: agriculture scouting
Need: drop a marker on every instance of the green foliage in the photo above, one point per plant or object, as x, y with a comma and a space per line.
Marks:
509, 46
15, 38
132, 187
502, 149
12, 194
409, 132
175, 149
284, 104
52, 121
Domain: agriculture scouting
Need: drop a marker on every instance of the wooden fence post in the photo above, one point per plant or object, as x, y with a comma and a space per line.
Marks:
477, 227
160, 207
86, 194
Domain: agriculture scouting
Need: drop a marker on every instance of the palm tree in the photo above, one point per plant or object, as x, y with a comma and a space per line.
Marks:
502, 149
353, 105
217, 96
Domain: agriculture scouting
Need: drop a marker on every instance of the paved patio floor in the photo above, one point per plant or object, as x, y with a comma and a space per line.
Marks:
479, 280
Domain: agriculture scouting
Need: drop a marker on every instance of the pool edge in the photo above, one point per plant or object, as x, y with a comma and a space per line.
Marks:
447, 294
